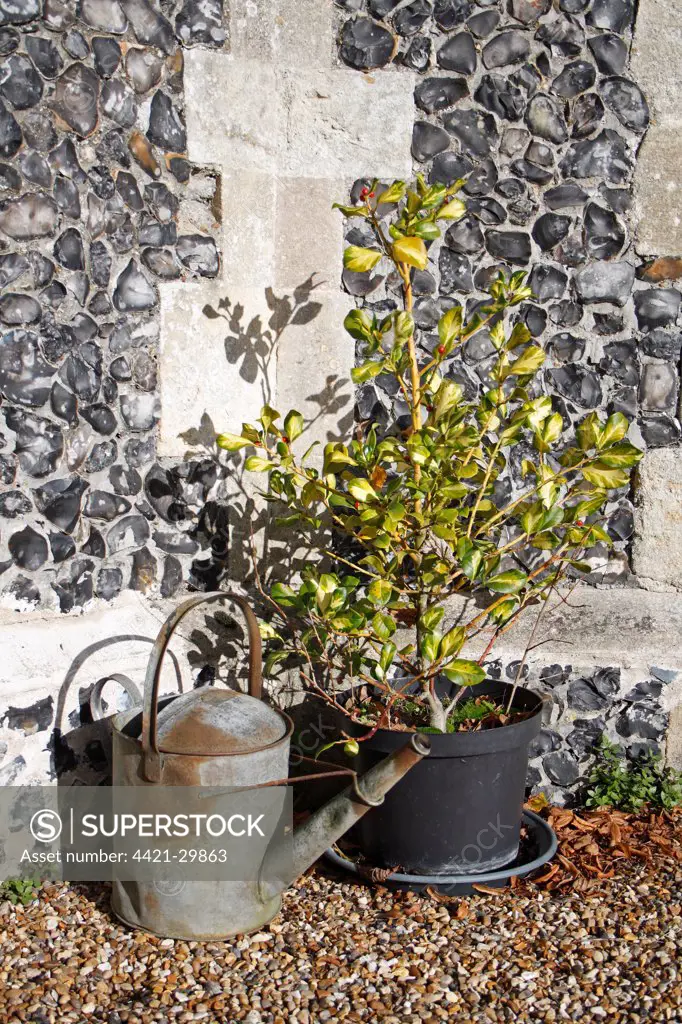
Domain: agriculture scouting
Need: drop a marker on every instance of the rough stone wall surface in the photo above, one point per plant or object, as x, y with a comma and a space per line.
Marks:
155, 157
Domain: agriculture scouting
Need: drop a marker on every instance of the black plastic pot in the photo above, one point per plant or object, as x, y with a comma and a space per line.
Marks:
459, 810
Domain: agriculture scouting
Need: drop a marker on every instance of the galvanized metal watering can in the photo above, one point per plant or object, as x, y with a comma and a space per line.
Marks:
215, 737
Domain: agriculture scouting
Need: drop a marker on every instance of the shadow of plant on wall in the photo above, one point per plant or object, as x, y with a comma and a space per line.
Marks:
234, 526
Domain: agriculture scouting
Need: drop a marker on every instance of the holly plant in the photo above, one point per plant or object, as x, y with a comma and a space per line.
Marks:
426, 512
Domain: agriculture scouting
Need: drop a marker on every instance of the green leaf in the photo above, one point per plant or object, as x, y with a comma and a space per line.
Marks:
454, 210
255, 464
450, 326
471, 562
528, 362
602, 475
504, 611
361, 490
588, 432
428, 645
403, 325
383, 625
410, 250
268, 415
426, 229
231, 442
623, 455
361, 374
432, 617
358, 323
394, 193
615, 429
509, 582
293, 425
360, 260
350, 211
283, 594
464, 673
387, 655
452, 641
379, 592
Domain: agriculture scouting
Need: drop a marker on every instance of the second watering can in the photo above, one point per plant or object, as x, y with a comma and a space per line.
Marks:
226, 738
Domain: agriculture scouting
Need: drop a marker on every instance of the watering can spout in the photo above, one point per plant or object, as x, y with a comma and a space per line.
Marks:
283, 866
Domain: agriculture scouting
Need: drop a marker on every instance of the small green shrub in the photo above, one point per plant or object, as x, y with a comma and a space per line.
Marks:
19, 890
629, 787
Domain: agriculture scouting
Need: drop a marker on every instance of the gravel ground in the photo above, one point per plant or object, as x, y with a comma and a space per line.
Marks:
345, 952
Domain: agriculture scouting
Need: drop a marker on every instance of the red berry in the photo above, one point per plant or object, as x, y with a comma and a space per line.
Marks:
441, 350
371, 195
364, 192
580, 522
285, 438
357, 504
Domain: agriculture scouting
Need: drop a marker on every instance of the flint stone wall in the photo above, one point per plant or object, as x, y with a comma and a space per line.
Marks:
168, 260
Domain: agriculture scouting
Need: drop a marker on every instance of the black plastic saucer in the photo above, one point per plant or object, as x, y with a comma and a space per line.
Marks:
538, 847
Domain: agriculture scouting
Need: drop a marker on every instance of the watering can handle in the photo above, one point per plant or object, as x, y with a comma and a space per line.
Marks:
95, 702
150, 745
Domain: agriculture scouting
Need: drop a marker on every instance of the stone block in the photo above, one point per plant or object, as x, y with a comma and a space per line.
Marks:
656, 59
658, 192
308, 237
303, 33
213, 359
314, 361
657, 548
342, 124
673, 744
249, 219
234, 111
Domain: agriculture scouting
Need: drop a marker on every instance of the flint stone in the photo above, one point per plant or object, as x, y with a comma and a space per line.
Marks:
199, 254
506, 48
106, 506
562, 196
20, 83
62, 547
201, 24
657, 307
100, 418
449, 167
144, 69
24, 373
44, 55
19, 12
562, 35
129, 532
76, 45
528, 11
412, 18
498, 95
10, 178
28, 549
544, 119
67, 197
549, 229
448, 13
483, 23
465, 236
627, 102
659, 431
578, 384
63, 160
428, 140
561, 767
17, 309
150, 27
365, 44
35, 168
510, 246
605, 282
610, 53
68, 250
75, 99
39, 443
118, 103
107, 54
109, 584
587, 114
575, 78
567, 348
9, 41
10, 133
125, 480
458, 54
162, 264
605, 157
133, 290
603, 233
104, 15
661, 345
63, 403
165, 127
614, 15
418, 56
140, 412
547, 282
658, 389
582, 696
12, 266
433, 94
476, 131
